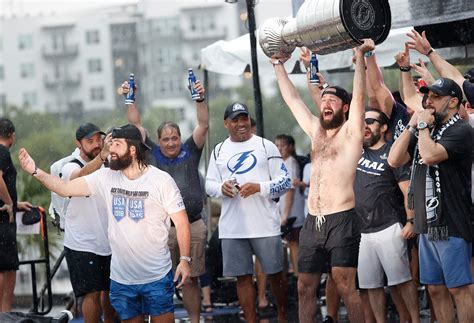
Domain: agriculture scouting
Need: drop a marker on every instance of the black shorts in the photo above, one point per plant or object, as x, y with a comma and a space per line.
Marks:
88, 272
8, 249
336, 243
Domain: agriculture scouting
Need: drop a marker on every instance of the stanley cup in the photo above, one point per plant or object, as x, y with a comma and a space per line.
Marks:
326, 26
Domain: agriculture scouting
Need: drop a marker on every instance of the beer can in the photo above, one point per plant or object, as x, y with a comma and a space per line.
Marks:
130, 97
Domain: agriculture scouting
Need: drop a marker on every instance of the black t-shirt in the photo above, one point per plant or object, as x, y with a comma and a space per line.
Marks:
398, 121
455, 179
379, 200
9, 177
184, 170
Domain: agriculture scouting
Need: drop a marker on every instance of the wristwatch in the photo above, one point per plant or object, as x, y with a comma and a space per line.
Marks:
188, 259
422, 125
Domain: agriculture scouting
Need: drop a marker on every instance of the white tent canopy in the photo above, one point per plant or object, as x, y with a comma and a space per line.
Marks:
231, 57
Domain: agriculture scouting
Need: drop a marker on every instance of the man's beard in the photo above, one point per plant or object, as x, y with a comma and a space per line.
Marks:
121, 162
374, 138
439, 116
93, 153
336, 121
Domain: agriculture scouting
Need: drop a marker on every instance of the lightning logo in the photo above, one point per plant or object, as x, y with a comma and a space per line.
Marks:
432, 204
241, 163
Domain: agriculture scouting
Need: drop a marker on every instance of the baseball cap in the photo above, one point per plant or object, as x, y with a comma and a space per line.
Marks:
469, 75
339, 92
234, 109
87, 130
444, 87
129, 131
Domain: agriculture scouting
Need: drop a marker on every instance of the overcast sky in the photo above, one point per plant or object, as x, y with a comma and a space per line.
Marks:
34, 7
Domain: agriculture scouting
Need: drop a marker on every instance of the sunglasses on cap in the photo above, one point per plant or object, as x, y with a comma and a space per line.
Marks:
372, 120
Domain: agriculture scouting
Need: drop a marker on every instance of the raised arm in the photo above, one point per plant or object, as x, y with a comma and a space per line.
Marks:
377, 85
315, 91
307, 121
422, 45
133, 113
407, 88
202, 114
76, 187
95, 163
357, 108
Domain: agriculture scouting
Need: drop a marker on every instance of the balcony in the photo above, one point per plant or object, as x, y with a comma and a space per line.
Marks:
65, 51
62, 82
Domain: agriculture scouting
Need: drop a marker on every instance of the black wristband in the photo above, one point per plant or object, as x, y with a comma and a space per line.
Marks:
200, 100
35, 171
411, 220
430, 51
103, 159
405, 69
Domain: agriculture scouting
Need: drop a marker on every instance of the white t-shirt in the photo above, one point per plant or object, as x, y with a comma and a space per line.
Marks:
139, 221
297, 208
255, 161
85, 227
306, 179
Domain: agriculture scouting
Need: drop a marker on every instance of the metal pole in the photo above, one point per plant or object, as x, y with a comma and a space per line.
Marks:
256, 82
207, 154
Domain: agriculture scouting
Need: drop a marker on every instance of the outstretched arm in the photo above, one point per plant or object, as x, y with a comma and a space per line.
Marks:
377, 85
202, 114
303, 115
76, 187
407, 88
357, 108
422, 45
133, 113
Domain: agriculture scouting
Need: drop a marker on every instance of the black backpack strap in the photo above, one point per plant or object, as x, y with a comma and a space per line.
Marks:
216, 153
78, 162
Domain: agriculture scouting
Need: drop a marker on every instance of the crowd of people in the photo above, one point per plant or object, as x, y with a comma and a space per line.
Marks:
386, 200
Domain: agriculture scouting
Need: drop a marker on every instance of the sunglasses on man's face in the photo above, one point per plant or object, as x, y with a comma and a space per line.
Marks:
371, 120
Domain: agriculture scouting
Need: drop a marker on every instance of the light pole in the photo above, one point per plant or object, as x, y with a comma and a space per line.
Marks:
257, 94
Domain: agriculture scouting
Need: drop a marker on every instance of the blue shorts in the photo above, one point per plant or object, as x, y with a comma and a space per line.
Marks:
155, 298
445, 262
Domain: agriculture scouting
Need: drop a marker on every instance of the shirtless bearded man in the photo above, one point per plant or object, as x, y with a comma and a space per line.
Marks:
331, 232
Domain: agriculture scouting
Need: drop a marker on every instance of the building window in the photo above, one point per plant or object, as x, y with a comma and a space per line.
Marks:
30, 99
193, 24
97, 93
95, 65
25, 42
92, 37
2, 73
27, 70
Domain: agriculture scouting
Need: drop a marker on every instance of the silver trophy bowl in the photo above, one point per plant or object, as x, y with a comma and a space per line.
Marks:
327, 26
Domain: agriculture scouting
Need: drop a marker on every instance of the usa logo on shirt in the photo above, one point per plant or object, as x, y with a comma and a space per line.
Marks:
242, 163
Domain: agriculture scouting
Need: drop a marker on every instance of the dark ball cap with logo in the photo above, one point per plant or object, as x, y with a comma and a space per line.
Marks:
87, 130
234, 109
444, 87
131, 132
339, 92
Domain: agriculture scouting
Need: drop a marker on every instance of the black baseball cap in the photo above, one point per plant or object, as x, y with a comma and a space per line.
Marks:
444, 87
469, 75
339, 92
129, 131
87, 130
234, 109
